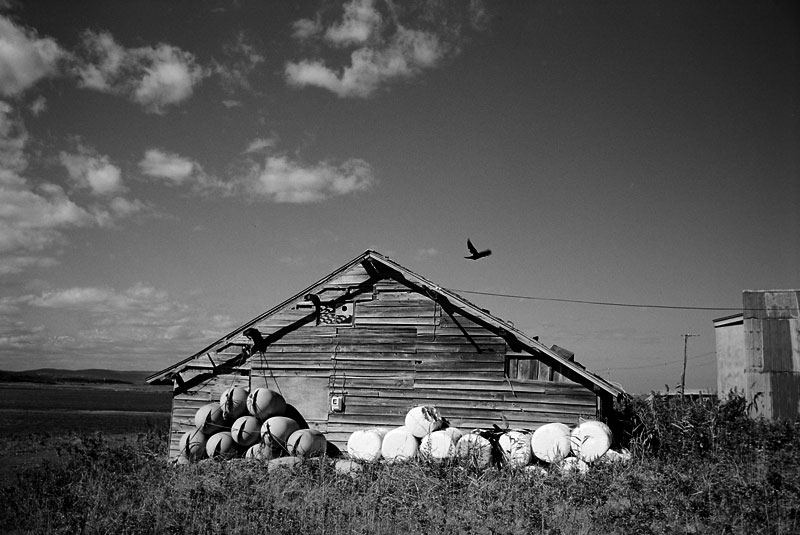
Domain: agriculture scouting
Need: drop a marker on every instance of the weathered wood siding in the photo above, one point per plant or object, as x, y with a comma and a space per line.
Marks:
401, 349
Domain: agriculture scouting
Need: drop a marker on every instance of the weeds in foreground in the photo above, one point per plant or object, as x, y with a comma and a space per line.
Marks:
698, 467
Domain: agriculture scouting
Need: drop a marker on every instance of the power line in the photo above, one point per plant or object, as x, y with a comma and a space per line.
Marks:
662, 363
602, 303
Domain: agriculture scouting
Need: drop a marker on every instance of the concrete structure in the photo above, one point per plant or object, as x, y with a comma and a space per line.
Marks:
758, 352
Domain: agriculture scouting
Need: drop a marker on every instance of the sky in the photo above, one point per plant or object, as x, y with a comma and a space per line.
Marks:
170, 170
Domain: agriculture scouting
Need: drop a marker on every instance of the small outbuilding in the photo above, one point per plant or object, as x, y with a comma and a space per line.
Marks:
758, 353
363, 345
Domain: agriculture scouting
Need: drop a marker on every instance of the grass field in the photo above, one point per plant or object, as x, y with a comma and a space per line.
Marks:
698, 467
38, 419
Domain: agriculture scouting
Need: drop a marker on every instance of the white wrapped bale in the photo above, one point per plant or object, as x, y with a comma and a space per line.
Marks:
366, 444
193, 444
399, 445
437, 446
613, 456
423, 420
264, 403
347, 467
454, 433
535, 470
306, 443
209, 419
259, 451
591, 440
276, 430
551, 442
516, 448
283, 462
221, 445
573, 464
474, 450
246, 430
233, 402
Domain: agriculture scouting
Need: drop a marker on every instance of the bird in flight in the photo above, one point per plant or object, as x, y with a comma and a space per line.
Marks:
474, 253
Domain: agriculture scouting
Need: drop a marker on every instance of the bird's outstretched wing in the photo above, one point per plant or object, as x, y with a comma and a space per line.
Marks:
474, 253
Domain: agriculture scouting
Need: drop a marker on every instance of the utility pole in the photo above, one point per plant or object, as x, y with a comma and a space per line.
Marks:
683, 375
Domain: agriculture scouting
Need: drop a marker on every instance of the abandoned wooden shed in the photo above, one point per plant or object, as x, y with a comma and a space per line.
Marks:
758, 353
372, 339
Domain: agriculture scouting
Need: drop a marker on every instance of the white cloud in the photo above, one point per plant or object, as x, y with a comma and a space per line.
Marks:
241, 59
38, 106
105, 324
35, 216
286, 181
122, 208
160, 164
154, 77
25, 58
358, 23
20, 264
178, 171
103, 300
382, 52
261, 144
13, 138
306, 28
33, 221
92, 171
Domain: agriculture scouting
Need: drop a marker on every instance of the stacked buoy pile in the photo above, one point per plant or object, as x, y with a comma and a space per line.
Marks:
428, 436
254, 425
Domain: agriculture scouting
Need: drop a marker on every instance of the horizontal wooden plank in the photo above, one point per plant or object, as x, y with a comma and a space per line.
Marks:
399, 347
362, 321
409, 309
343, 419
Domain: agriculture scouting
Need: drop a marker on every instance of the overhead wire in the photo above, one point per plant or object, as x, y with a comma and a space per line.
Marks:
602, 303
661, 363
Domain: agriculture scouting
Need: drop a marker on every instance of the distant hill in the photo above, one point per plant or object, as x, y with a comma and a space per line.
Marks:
93, 376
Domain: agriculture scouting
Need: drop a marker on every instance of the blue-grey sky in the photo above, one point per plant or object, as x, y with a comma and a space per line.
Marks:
170, 170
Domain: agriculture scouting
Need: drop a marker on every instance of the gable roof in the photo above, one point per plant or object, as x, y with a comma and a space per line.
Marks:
380, 267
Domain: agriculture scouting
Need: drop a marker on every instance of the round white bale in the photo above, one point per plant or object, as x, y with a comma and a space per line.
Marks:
551, 442
347, 467
423, 420
535, 470
399, 445
233, 402
516, 448
209, 419
474, 450
573, 464
221, 445
613, 456
259, 451
437, 446
264, 403
193, 444
454, 433
591, 440
283, 462
246, 430
306, 443
365, 445
276, 430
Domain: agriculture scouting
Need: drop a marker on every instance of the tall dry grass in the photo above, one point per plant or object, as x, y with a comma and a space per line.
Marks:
698, 467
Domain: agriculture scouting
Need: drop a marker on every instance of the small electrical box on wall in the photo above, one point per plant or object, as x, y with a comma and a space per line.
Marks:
337, 403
